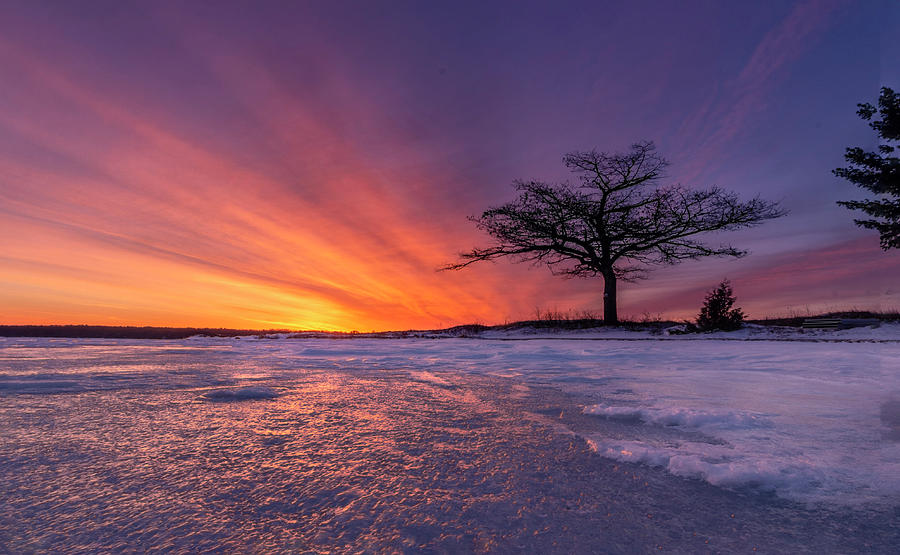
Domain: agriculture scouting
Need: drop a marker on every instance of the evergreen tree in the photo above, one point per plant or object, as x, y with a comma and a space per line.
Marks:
717, 312
879, 171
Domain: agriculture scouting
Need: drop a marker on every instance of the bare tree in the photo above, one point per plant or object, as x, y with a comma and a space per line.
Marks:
614, 223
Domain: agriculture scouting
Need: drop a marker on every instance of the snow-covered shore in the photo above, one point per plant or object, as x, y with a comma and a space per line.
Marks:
886, 331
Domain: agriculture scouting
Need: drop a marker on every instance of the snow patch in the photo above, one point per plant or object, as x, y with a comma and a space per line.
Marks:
685, 417
790, 476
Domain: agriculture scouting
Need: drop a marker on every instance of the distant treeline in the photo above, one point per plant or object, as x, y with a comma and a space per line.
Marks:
124, 332
554, 322
797, 321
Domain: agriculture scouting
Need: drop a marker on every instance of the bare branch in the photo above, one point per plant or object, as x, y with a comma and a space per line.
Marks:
614, 224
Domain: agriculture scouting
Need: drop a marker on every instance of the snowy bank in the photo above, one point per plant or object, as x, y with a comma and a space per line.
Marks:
886, 331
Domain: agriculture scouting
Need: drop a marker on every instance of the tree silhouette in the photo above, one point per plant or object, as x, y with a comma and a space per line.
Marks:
717, 312
879, 171
614, 223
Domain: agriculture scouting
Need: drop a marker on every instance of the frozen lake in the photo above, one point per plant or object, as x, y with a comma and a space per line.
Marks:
449, 445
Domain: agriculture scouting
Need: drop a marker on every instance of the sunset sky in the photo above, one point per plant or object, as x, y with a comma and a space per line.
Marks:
310, 164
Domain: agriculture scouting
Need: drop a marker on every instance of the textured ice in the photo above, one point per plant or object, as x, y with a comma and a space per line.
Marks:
241, 393
738, 459
781, 409
450, 445
794, 476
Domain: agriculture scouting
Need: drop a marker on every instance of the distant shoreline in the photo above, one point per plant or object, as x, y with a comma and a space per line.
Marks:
124, 332
78, 331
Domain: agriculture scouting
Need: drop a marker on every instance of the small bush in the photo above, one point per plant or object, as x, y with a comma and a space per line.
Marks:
717, 312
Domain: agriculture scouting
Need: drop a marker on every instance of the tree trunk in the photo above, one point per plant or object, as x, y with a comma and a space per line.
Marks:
610, 315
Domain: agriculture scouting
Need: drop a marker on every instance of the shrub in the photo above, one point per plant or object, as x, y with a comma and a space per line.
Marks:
717, 312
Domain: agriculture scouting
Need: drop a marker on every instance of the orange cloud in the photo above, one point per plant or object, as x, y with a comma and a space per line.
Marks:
136, 224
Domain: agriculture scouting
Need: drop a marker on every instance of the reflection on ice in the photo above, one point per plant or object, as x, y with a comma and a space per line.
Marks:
421, 445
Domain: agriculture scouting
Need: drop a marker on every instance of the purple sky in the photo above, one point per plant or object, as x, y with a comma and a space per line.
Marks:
311, 163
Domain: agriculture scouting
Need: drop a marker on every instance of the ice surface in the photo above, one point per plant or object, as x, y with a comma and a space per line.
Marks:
451, 445
804, 419
241, 393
